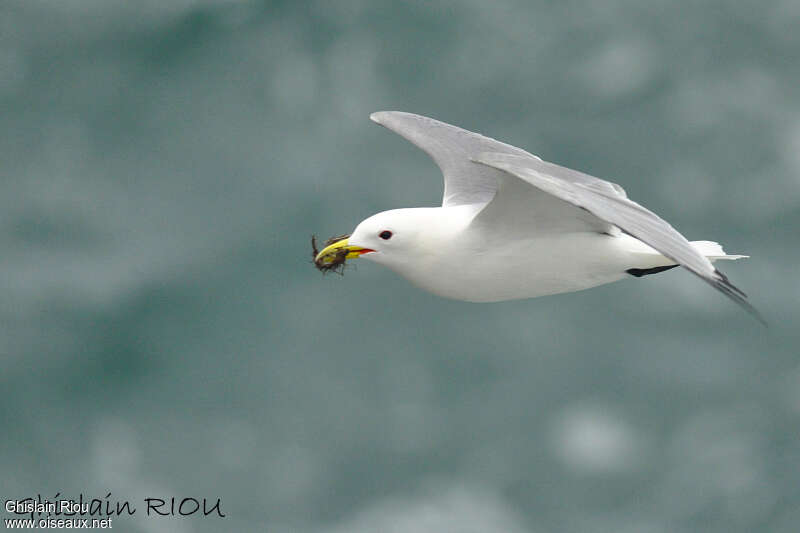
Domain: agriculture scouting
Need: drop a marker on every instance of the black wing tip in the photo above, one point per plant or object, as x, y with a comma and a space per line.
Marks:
724, 279
723, 284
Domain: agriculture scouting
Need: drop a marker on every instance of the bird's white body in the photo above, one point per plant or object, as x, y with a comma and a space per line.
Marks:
525, 269
514, 226
478, 266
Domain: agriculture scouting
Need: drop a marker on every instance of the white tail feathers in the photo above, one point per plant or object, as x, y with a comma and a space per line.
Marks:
714, 251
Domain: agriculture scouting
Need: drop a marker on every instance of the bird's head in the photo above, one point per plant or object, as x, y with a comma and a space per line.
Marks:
392, 238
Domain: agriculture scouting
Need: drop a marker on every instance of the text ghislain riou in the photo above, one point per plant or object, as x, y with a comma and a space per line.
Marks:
107, 507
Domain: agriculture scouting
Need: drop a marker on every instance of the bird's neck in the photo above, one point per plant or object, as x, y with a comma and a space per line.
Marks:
444, 226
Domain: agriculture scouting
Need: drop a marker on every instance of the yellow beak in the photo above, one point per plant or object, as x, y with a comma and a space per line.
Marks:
332, 252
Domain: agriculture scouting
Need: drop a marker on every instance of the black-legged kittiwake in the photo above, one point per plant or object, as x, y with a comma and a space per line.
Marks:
514, 226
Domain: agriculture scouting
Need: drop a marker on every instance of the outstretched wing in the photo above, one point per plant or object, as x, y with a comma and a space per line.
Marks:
451, 149
602, 200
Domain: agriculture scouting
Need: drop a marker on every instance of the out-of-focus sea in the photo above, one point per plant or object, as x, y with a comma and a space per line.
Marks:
164, 333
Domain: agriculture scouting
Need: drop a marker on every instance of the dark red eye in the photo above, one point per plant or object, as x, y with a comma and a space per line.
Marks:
385, 235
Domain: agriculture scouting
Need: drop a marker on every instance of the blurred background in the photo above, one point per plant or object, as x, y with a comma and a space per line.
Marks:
164, 333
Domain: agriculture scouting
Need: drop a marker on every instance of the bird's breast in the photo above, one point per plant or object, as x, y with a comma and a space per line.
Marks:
525, 268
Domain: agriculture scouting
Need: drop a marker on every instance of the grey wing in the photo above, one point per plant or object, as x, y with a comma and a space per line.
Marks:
604, 201
451, 148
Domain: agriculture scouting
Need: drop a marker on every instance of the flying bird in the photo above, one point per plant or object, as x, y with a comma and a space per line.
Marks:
514, 226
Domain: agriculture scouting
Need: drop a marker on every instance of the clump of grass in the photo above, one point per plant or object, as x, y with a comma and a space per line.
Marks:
334, 262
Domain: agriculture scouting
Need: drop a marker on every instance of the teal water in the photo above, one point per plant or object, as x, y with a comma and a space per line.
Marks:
165, 334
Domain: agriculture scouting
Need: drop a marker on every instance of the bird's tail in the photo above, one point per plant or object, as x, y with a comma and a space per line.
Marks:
713, 251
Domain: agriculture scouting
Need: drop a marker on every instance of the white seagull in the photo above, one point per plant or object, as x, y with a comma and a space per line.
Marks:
514, 226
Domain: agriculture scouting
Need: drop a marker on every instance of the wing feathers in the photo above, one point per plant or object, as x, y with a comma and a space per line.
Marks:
606, 203
451, 148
